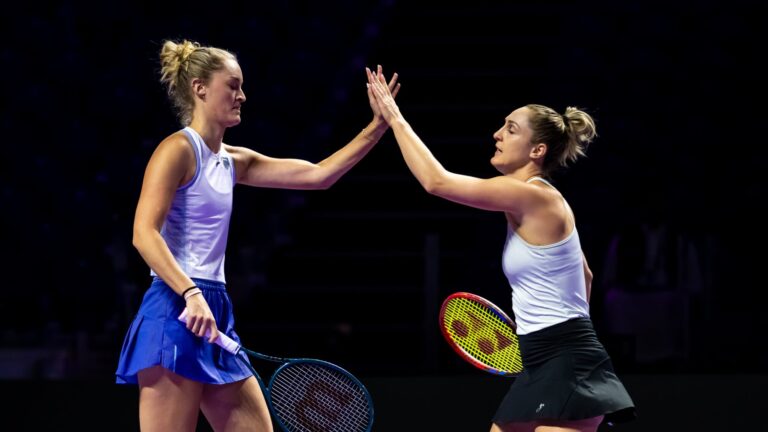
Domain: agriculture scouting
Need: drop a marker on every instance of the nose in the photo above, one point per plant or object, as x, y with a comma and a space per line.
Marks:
497, 135
241, 96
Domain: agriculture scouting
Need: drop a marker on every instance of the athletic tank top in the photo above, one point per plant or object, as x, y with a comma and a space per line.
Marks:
197, 224
547, 282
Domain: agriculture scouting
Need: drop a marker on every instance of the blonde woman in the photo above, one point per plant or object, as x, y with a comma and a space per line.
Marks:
180, 229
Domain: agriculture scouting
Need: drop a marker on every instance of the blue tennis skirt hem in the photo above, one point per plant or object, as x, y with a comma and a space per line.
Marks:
157, 338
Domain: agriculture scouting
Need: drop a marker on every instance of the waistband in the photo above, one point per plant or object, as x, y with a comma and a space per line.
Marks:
203, 284
576, 334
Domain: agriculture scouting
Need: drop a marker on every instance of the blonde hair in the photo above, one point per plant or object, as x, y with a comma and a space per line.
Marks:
182, 62
566, 135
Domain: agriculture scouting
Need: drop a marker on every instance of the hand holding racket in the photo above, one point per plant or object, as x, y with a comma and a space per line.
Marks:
481, 333
308, 395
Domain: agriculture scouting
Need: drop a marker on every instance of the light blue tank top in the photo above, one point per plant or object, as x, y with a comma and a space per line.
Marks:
547, 282
197, 224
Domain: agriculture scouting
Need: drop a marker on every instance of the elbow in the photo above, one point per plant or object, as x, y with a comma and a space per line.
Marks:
139, 239
136, 242
325, 184
432, 185
321, 179
435, 181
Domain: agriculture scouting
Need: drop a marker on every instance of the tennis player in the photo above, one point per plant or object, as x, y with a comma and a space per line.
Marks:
568, 383
180, 229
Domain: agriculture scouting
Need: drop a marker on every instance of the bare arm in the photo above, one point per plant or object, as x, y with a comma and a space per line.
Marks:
497, 194
255, 169
168, 167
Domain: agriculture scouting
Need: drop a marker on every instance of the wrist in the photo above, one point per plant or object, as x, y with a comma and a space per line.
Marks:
399, 123
378, 124
375, 129
191, 291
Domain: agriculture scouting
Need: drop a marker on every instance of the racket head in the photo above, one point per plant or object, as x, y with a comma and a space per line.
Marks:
481, 333
309, 395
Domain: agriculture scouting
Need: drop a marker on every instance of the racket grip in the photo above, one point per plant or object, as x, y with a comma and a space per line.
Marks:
222, 340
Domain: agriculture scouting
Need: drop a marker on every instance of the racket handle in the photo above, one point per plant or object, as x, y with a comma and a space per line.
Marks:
222, 340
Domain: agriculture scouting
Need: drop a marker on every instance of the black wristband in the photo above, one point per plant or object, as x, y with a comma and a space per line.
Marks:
188, 290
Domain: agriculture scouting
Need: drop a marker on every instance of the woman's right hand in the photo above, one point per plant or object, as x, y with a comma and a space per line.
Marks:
200, 318
383, 104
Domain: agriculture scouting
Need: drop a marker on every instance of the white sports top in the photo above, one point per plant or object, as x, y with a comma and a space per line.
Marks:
197, 224
547, 282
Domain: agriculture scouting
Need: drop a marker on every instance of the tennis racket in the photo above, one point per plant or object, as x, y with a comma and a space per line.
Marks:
309, 395
481, 333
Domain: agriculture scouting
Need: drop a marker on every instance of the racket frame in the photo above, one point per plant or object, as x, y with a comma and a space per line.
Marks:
240, 352
458, 349
288, 362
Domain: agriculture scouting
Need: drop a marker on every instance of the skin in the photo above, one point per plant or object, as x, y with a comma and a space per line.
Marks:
536, 211
168, 401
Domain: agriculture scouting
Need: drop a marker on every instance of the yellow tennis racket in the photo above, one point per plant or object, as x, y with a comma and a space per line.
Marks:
481, 333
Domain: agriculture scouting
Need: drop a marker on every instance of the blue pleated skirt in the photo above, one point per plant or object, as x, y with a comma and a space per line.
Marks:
157, 337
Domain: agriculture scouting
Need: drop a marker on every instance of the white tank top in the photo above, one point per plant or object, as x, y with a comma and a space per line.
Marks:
547, 282
197, 224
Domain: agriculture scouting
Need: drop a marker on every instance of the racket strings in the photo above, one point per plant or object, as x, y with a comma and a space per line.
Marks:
311, 397
482, 334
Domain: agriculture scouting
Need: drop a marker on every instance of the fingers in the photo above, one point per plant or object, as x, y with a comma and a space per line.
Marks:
377, 79
393, 81
203, 327
396, 90
373, 77
380, 75
214, 334
372, 84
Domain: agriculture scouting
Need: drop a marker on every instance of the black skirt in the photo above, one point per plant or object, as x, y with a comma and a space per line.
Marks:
567, 375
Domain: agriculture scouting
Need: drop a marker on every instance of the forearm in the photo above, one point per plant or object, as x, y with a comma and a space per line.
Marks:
427, 170
337, 164
154, 250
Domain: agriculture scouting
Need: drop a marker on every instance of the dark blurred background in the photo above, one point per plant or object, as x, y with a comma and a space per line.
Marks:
669, 201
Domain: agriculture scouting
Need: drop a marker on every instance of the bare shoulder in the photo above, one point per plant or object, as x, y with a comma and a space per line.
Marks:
243, 154
174, 149
233, 150
546, 191
174, 154
557, 206
237, 150
176, 143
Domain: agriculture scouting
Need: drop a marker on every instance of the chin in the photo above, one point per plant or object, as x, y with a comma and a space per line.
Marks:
233, 122
499, 167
